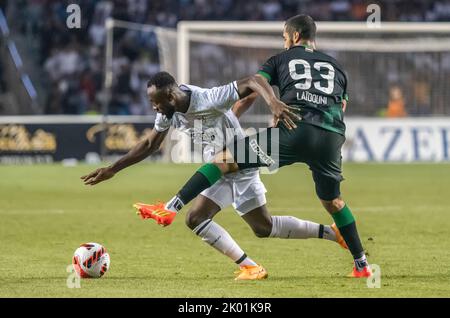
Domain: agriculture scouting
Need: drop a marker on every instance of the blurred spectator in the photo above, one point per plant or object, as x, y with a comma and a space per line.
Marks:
271, 10
73, 60
340, 9
87, 86
396, 104
97, 31
3, 5
73, 102
359, 10
421, 102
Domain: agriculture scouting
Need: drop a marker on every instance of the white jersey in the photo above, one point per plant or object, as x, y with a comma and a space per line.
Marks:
209, 119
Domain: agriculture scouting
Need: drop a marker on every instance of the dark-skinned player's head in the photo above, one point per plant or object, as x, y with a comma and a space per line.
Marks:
163, 92
299, 29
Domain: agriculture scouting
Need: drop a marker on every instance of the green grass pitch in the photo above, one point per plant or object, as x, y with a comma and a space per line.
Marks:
403, 213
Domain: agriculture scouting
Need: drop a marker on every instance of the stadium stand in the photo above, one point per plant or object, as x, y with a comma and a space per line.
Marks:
68, 64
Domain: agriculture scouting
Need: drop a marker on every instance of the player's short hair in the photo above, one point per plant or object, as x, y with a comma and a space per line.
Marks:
302, 24
161, 80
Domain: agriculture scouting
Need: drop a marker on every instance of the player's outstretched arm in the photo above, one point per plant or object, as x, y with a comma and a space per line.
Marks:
259, 84
242, 105
138, 153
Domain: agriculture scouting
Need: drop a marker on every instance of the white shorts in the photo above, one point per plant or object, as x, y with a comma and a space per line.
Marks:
244, 190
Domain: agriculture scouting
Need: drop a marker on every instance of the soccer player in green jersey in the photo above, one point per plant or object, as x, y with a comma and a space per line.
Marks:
309, 129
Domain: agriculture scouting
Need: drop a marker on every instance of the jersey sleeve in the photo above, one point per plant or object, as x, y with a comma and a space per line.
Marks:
345, 95
162, 123
220, 97
269, 71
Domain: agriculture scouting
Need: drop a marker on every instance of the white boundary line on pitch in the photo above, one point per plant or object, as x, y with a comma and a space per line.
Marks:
28, 211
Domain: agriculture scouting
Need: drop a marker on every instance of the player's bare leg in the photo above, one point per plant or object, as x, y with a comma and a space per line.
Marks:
346, 224
289, 227
199, 220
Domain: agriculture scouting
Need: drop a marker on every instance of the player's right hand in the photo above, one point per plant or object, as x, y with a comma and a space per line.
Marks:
282, 112
98, 176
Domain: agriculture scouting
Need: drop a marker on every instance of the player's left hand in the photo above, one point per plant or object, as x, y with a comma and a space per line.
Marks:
344, 105
98, 176
282, 112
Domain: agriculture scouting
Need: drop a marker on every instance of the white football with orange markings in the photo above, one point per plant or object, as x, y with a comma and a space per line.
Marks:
91, 260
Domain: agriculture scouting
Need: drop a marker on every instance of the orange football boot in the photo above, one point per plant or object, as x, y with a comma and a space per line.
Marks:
251, 272
156, 212
366, 272
339, 239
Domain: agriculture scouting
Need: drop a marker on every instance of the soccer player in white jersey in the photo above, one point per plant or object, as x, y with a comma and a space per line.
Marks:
217, 110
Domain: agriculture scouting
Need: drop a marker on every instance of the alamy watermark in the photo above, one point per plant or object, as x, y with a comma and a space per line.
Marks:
73, 21
374, 19
73, 280
374, 281
198, 144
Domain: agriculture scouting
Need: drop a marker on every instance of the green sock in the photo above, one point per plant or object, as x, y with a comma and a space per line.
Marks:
347, 226
343, 217
211, 172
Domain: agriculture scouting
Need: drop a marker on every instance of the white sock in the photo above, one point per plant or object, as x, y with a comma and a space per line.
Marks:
216, 236
246, 262
328, 233
361, 262
175, 204
293, 228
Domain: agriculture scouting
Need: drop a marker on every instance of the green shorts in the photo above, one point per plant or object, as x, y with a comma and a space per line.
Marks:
276, 147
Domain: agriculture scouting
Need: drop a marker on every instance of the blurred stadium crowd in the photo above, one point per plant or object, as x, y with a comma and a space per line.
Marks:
71, 61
